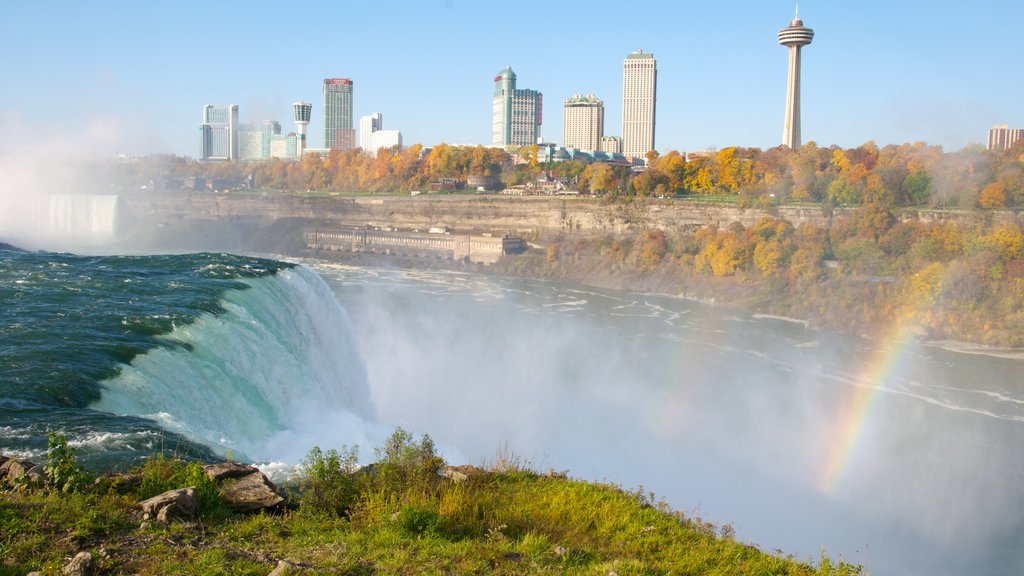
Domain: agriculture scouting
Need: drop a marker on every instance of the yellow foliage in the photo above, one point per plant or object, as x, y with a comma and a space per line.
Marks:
768, 256
927, 283
1007, 240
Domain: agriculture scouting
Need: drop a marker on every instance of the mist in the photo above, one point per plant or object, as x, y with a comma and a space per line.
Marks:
727, 417
57, 192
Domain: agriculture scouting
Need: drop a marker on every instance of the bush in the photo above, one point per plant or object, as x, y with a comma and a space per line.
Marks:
160, 474
62, 470
326, 483
417, 520
404, 463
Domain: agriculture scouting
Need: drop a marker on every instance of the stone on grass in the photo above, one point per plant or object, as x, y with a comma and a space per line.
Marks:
180, 504
81, 565
244, 488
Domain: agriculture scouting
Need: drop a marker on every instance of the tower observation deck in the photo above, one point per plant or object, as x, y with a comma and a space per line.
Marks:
794, 37
303, 111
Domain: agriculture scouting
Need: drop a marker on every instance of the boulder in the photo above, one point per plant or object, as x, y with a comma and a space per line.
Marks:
459, 474
180, 504
250, 492
81, 565
11, 470
218, 472
37, 474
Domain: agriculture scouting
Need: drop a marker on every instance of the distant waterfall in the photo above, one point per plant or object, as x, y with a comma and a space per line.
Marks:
59, 221
84, 217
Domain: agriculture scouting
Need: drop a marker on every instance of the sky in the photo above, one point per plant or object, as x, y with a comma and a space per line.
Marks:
132, 77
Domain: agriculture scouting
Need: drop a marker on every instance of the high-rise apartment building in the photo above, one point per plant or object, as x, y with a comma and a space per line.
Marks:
373, 137
517, 115
218, 133
794, 37
639, 93
583, 122
338, 131
1002, 137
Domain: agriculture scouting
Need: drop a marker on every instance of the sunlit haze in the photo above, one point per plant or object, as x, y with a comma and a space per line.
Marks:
139, 73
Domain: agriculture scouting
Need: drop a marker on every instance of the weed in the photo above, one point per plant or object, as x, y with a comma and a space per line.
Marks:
417, 520
62, 470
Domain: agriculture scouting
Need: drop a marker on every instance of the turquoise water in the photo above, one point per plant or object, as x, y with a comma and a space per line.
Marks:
727, 416
192, 354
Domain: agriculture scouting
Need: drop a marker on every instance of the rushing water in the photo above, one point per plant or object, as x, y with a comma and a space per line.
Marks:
902, 456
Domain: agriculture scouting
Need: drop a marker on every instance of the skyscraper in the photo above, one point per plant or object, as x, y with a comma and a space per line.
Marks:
254, 139
1002, 137
583, 122
218, 133
373, 136
794, 37
338, 131
516, 114
639, 93
303, 111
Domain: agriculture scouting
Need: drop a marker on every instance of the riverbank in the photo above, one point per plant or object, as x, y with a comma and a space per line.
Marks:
406, 514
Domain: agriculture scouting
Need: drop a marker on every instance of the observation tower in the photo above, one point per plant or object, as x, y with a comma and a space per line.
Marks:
302, 113
794, 37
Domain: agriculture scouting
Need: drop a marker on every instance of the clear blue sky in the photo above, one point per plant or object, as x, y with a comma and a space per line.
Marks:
134, 75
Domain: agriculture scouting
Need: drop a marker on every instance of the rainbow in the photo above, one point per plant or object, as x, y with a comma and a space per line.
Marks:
855, 412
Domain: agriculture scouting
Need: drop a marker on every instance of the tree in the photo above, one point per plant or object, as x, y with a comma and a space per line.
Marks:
992, 196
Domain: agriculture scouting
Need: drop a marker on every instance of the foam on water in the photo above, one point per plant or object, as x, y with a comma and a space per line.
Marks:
274, 375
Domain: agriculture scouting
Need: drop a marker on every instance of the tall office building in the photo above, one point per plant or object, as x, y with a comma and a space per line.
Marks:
639, 94
338, 131
254, 139
1002, 137
373, 137
583, 122
218, 133
517, 115
303, 111
794, 37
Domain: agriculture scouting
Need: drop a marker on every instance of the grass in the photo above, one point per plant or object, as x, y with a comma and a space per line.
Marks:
400, 517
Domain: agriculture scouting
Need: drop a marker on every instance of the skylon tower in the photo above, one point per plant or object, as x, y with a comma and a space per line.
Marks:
302, 114
795, 36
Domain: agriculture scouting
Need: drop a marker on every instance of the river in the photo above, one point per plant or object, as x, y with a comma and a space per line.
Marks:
902, 456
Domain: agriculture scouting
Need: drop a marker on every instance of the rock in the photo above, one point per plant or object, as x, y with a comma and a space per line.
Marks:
180, 504
81, 565
37, 474
11, 470
223, 471
34, 574
459, 474
250, 492
121, 483
285, 567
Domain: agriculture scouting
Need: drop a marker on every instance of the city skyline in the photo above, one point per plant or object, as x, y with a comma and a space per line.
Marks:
721, 78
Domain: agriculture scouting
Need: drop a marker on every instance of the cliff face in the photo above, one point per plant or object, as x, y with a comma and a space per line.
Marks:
533, 217
470, 213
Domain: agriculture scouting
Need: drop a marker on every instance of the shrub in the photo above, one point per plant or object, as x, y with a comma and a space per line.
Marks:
416, 520
62, 470
404, 463
160, 474
326, 483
